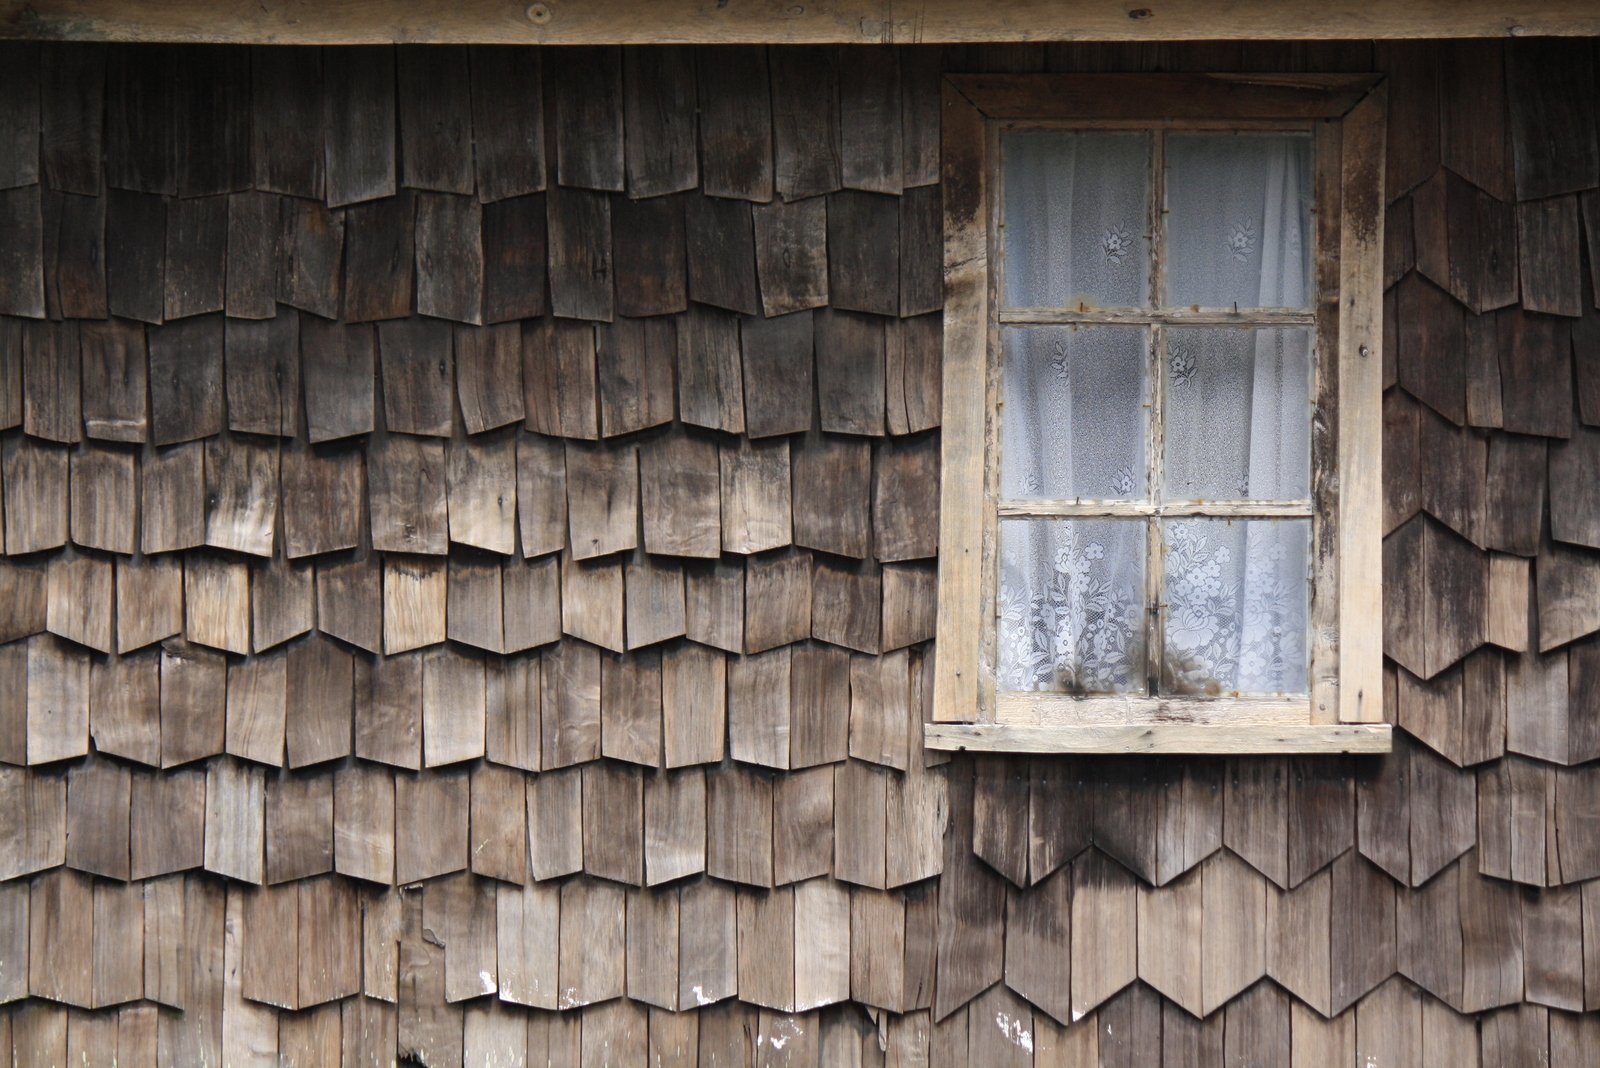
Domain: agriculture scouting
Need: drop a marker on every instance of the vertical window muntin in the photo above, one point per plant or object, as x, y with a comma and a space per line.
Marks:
1167, 642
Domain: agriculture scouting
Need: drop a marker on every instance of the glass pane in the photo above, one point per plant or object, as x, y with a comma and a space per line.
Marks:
1071, 605
1073, 422
1239, 220
1236, 602
1238, 414
1077, 219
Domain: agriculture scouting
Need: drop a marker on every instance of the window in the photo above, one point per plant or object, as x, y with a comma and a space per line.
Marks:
1161, 497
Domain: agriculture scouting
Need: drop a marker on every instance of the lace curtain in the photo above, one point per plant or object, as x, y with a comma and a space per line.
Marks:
1072, 598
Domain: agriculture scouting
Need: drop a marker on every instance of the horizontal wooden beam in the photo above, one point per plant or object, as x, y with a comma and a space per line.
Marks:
331, 22
1207, 738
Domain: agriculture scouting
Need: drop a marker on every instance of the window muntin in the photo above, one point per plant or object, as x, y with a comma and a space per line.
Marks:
1146, 459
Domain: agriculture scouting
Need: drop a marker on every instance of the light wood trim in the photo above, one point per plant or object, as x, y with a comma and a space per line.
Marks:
1205, 738
1360, 513
968, 415
1059, 709
1163, 97
1324, 629
1136, 317
1170, 509
778, 21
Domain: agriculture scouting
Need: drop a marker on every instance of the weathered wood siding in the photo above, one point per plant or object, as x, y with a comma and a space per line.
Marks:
469, 521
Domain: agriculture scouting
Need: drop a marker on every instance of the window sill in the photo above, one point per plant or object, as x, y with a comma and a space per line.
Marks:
1212, 738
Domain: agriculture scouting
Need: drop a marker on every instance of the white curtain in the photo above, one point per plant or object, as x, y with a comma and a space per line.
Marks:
1072, 425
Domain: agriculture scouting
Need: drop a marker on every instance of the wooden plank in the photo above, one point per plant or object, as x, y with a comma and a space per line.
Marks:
359, 104
735, 123
555, 824
514, 258
654, 601
57, 702
1516, 493
406, 494
864, 252
379, 262
870, 124
649, 253
299, 827
845, 606
1431, 337
119, 946
1574, 507
581, 273
1159, 738
72, 117
57, 903
659, 117
1474, 139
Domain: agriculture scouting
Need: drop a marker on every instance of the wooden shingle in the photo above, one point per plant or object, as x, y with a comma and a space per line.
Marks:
634, 360
1550, 107
514, 258
115, 380
312, 246
263, 374
136, 225
805, 119
252, 272
710, 381
359, 106
507, 121
241, 496
196, 256
379, 267
659, 113
286, 120
650, 250
721, 253
339, 370
51, 395
777, 368
581, 272
406, 487
864, 252
450, 263
72, 117
482, 493
735, 123
186, 387
559, 379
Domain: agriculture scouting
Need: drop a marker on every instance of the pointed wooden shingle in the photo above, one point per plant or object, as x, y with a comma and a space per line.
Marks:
1466, 242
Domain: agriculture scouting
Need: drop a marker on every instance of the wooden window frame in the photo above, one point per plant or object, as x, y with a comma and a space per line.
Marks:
1344, 711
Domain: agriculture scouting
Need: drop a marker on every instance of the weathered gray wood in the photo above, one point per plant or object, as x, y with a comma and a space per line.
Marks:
507, 122
450, 259
418, 376
1549, 107
905, 499
592, 605
650, 255
603, 499
654, 600
850, 372
1535, 359
482, 493
299, 827
286, 93
435, 119
125, 708
532, 604
79, 596
72, 117
389, 720
792, 255
414, 603
252, 272
1547, 246
805, 118
350, 603
714, 593
710, 383
319, 699
359, 106
514, 258
559, 379
777, 369
721, 254
489, 376
241, 496
659, 101
196, 256
581, 273
680, 496
756, 505
735, 123
323, 493
1466, 242
634, 359
406, 494
541, 494
587, 86
630, 702
104, 502
36, 495
115, 381
870, 124
864, 252
263, 375
379, 259
570, 703
436, 807
51, 396
216, 595
186, 388
313, 245
340, 364
846, 602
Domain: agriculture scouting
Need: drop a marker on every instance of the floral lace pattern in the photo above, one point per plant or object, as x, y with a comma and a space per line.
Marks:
1236, 606
1070, 600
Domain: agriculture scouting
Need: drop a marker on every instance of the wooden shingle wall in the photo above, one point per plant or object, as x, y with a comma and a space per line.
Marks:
469, 521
